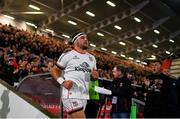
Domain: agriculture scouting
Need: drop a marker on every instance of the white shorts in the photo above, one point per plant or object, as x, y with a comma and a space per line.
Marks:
73, 105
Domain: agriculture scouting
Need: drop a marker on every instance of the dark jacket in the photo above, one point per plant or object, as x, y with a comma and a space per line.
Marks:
158, 102
121, 88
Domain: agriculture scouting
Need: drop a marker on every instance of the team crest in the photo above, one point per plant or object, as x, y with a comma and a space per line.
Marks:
75, 103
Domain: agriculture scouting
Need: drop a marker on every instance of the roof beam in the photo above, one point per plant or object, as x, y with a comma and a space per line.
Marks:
44, 5
67, 10
146, 54
162, 51
136, 31
115, 18
150, 42
112, 35
4, 4
146, 14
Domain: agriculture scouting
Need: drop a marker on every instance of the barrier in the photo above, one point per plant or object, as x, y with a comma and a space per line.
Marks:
15, 105
44, 91
137, 108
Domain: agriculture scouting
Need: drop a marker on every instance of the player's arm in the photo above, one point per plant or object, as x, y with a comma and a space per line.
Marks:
56, 73
94, 72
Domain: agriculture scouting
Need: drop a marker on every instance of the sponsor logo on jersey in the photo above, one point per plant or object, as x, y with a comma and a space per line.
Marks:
75, 103
75, 57
83, 67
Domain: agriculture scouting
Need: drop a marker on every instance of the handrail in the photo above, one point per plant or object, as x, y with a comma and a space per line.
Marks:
28, 100
39, 75
138, 101
30, 76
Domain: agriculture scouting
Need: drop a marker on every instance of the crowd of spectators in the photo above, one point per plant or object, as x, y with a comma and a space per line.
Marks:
23, 53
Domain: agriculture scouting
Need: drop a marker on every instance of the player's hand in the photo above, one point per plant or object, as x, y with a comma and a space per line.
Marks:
68, 84
95, 74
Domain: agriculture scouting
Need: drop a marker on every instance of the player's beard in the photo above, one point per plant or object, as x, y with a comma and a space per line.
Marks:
84, 46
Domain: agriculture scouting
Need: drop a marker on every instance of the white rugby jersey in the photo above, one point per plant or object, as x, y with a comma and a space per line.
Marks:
77, 67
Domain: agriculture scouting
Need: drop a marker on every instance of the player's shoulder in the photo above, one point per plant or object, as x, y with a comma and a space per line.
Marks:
67, 52
90, 54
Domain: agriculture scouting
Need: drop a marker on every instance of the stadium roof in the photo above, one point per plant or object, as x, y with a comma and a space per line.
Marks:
134, 29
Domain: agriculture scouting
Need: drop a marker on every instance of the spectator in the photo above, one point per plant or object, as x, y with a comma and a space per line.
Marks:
1, 62
121, 93
94, 102
158, 93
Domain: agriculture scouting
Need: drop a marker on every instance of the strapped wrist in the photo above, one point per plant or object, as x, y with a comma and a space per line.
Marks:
60, 80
